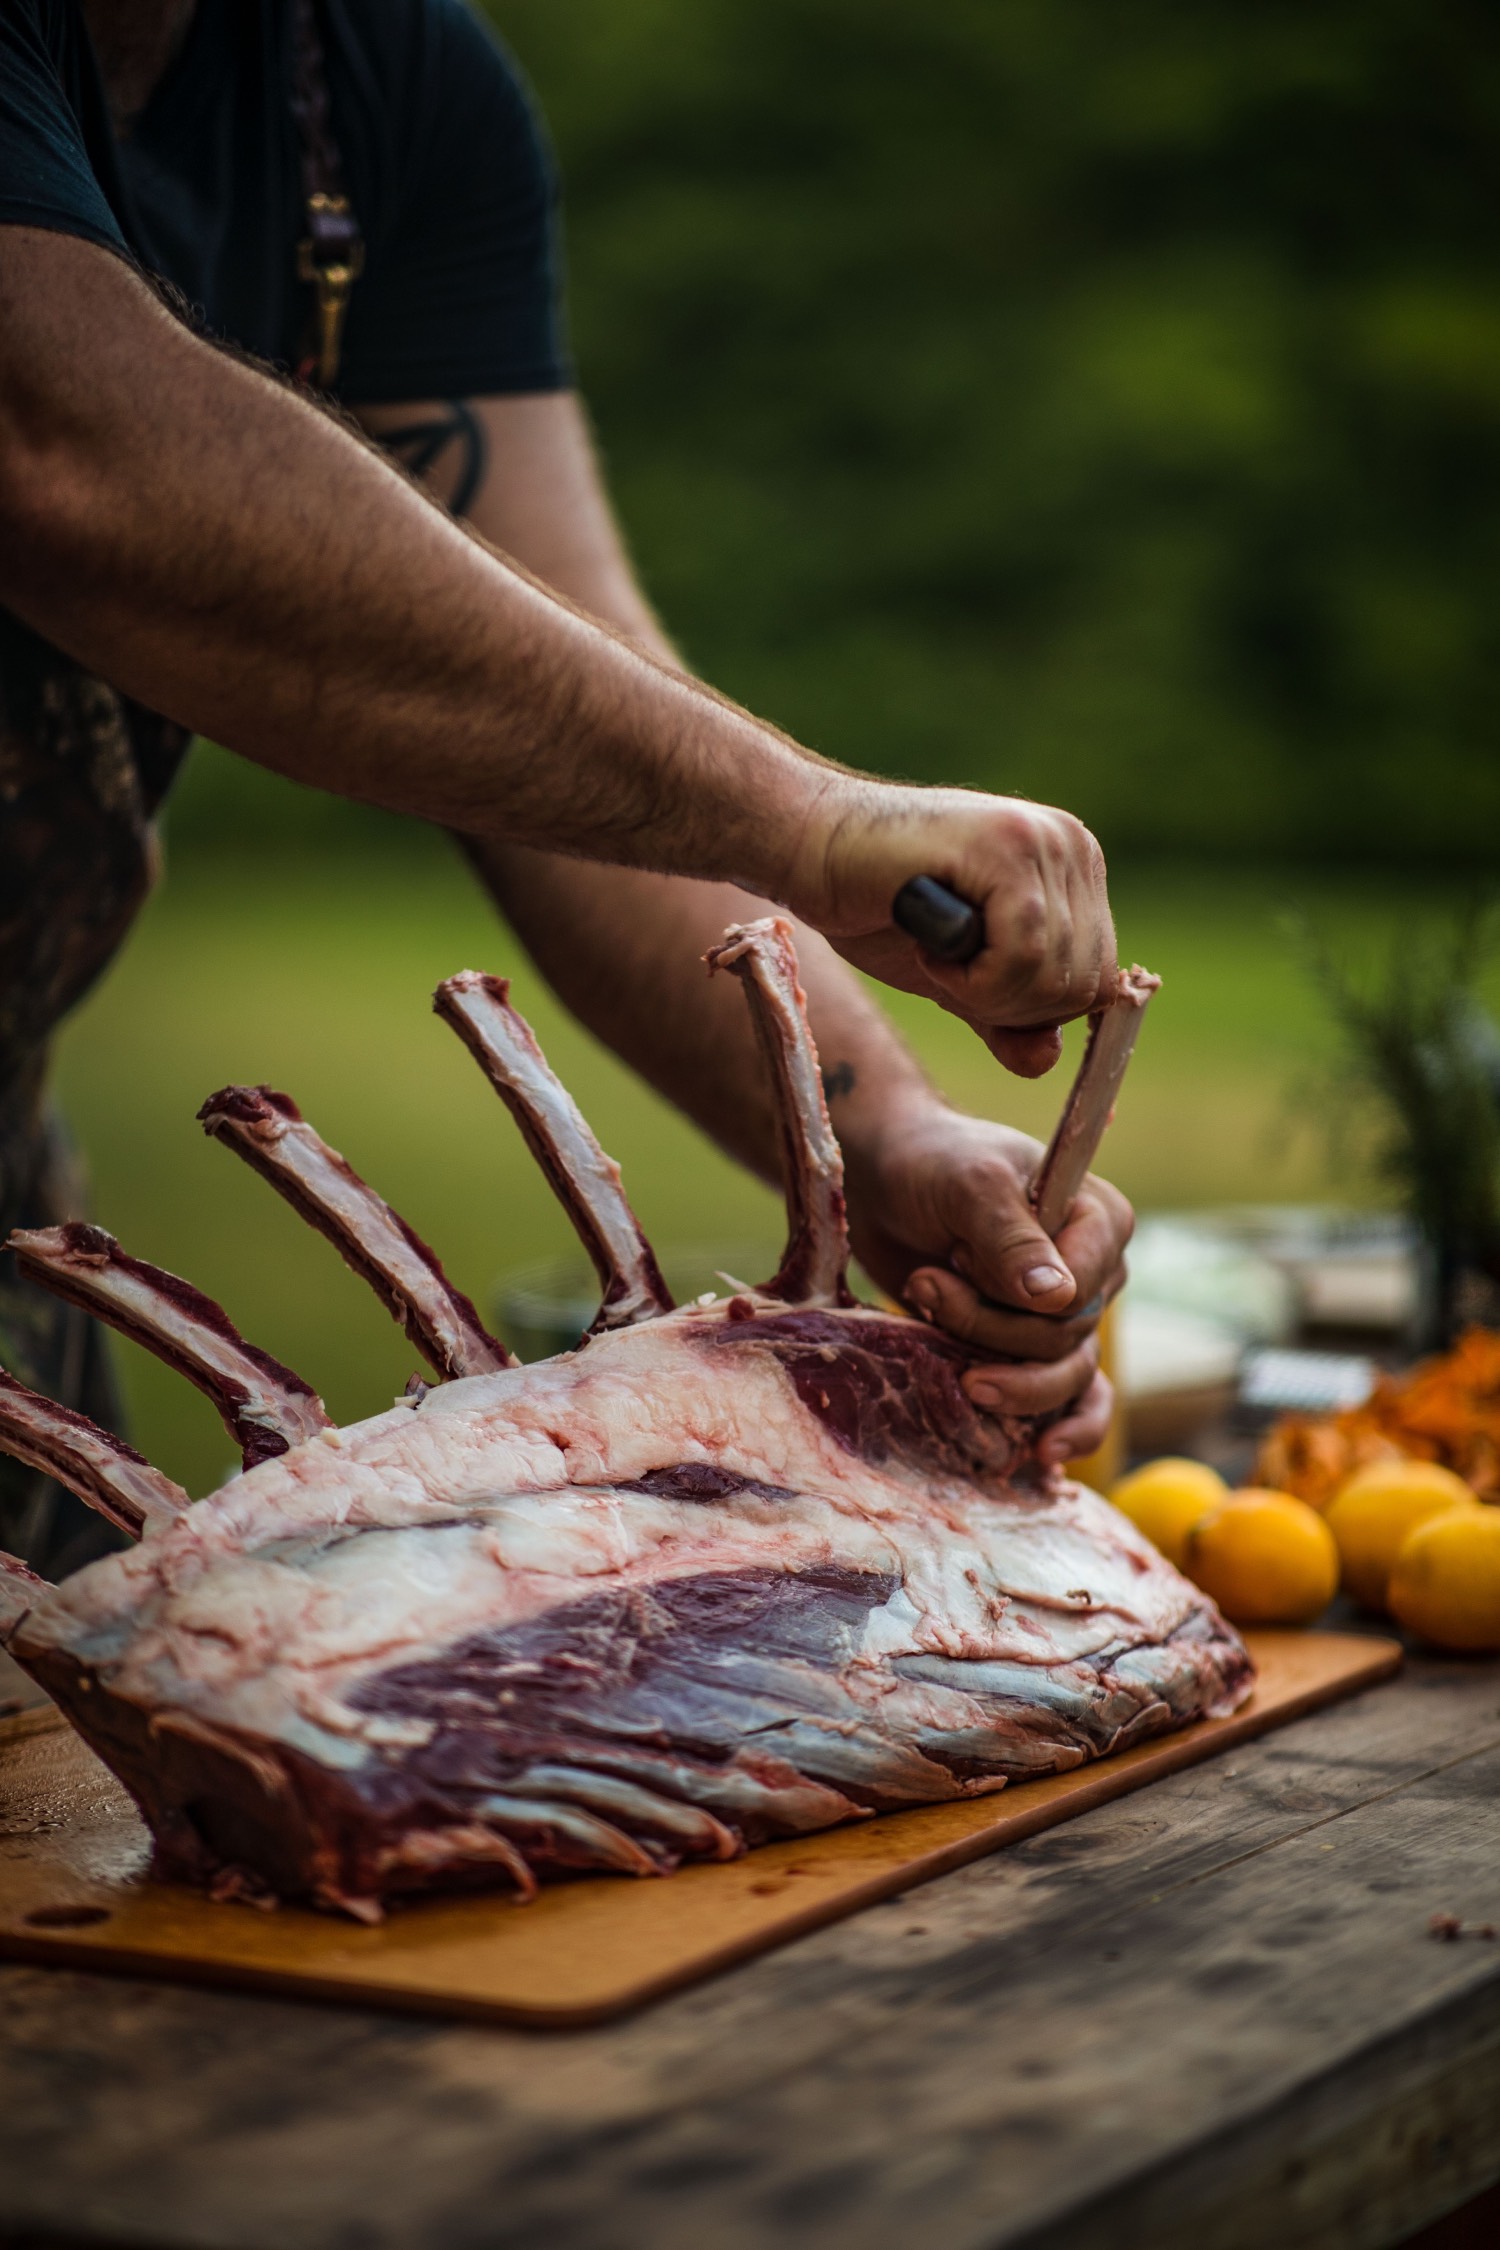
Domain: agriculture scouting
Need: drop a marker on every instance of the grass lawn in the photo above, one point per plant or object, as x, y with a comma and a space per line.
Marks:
314, 974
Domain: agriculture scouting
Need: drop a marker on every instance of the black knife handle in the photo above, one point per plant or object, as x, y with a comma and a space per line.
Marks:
938, 919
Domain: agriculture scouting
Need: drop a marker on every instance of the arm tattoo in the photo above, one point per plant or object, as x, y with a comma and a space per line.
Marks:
838, 1079
452, 435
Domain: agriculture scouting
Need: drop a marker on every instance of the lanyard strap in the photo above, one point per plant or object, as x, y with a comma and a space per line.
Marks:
331, 254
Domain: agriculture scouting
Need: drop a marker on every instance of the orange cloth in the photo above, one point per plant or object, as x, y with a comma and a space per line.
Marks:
1447, 1409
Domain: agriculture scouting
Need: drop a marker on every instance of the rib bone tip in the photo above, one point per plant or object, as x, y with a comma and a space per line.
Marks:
1137, 985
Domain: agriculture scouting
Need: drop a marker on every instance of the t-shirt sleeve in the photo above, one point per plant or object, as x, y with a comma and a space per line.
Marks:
46, 177
461, 295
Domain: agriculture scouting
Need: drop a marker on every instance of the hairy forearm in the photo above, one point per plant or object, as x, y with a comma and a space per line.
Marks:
215, 545
622, 948
524, 470
624, 951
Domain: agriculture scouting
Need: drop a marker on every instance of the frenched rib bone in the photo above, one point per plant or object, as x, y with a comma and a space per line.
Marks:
812, 1270
265, 1407
585, 1181
270, 1132
1091, 1103
102, 1469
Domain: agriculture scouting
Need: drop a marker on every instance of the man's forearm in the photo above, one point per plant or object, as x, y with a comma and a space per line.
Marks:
218, 547
623, 949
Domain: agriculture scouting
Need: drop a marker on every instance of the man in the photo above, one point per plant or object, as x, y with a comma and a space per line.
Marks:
361, 192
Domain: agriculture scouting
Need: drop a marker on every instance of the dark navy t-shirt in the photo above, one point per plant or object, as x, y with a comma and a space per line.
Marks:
444, 157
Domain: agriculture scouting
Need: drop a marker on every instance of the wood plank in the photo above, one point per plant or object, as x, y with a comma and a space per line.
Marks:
74, 1884
1110, 2013
18, 1692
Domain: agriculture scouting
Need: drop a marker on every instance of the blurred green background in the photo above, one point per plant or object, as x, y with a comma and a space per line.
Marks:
1099, 400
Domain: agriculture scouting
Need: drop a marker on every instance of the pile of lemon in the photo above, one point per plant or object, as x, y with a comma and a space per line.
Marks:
1403, 1536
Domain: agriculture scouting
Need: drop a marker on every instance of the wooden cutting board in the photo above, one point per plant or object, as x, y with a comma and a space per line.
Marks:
74, 1886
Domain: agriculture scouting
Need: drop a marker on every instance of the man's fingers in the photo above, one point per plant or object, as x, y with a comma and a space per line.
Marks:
1014, 1265
1025, 1054
1033, 872
1082, 1430
1090, 912
1093, 1242
951, 1303
1033, 1386
1008, 1257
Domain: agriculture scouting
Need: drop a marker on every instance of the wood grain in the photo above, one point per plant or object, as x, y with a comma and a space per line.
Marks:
74, 1884
1208, 2012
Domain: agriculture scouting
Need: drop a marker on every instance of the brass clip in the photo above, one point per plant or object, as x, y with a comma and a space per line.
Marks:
332, 276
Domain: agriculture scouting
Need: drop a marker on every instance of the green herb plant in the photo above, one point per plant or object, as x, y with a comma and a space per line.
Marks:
1419, 1064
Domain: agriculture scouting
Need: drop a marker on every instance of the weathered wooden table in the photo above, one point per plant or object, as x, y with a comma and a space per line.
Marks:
1211, 2014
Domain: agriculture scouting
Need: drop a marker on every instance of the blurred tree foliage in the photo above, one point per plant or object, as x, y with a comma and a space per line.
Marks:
1095, 398
1099, 398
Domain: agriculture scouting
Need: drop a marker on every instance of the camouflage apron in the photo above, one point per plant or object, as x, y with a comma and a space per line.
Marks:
82, 771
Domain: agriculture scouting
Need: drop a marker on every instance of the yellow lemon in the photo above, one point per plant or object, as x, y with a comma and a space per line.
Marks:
1266, 1559
1446, 1582
1373, 1512
1166, 1498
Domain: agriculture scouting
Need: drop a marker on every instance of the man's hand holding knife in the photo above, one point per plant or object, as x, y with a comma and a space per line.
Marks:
1000, 913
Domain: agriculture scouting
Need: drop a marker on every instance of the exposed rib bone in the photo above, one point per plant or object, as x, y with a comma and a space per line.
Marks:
19, 1587
102, 1469
585, 1181
572, 1837
1091, 1103
669, 1817
269, 1131
265, 1407
812, 1269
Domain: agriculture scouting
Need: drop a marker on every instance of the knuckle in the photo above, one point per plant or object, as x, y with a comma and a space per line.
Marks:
995, 1186
958, 1308
1030, 952
1072, 988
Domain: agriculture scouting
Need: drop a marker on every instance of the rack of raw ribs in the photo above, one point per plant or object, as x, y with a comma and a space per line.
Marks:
727, 1571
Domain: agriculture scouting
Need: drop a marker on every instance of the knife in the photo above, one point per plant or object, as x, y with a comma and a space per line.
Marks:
948, 926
